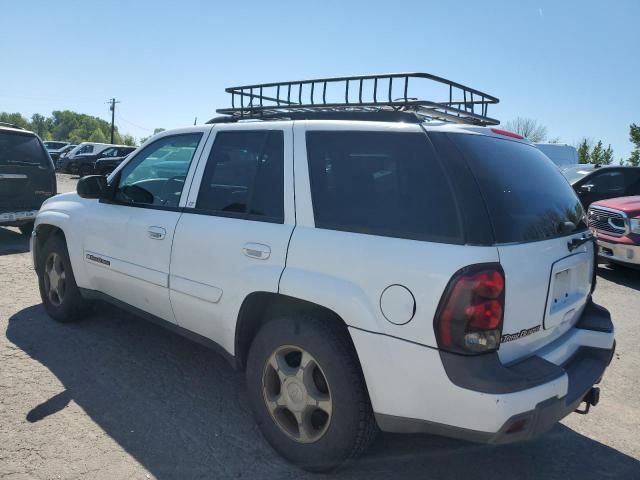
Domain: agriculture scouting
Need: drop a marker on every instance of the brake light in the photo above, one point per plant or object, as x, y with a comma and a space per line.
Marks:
471, 311
507, 133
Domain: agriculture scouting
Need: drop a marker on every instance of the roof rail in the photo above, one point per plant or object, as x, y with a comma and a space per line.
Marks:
369, 97
11, 125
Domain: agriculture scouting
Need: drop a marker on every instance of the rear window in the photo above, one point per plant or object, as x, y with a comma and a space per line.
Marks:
381, 183
526, 196
18, 149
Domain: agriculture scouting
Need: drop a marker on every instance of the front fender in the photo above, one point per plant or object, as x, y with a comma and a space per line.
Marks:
64, 221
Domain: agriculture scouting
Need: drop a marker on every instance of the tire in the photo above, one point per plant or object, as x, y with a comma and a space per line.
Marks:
344, 427
66, 303
26, 228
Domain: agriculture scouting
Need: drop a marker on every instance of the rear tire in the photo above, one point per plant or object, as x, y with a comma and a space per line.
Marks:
58, 289
26, 228
313, 408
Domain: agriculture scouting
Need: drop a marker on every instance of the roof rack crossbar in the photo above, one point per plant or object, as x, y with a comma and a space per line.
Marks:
267, 99
11, 125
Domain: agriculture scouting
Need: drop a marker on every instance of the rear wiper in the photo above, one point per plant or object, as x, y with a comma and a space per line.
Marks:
576, 242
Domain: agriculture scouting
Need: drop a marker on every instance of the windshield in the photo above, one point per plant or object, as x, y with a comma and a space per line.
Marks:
525, 193
573, 174
18, 149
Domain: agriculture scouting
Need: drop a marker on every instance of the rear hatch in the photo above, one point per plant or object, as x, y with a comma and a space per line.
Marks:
534, 214
26, 172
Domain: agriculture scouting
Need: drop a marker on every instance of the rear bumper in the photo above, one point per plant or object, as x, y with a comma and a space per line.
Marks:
479, 399
619, 252
18, 218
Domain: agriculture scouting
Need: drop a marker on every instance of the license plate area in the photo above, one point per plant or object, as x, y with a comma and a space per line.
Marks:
568, 289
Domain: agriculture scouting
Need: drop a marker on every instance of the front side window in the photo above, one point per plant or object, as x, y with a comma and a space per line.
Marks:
244, 176
381, 183
608, 183
156, 175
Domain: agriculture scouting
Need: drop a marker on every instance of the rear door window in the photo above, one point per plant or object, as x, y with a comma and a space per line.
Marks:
24, 150
380, 183
526, 196
244, 176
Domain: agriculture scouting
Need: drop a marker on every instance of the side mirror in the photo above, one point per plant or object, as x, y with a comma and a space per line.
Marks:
92, 186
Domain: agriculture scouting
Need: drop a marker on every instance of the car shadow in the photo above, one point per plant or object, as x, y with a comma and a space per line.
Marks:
625, 276
180, 410
12, 241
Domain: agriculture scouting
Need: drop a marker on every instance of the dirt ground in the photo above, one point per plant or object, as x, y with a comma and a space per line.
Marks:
115, 397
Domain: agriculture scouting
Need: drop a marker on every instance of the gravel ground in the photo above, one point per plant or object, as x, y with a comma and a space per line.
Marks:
116, 397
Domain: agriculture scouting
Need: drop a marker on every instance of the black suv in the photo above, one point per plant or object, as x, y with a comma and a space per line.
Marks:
595, 182
85, 165
27, 177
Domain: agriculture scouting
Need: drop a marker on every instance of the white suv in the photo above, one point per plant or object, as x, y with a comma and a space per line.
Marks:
366, 269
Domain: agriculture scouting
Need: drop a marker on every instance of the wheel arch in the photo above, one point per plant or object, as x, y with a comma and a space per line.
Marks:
258, 308
43, 232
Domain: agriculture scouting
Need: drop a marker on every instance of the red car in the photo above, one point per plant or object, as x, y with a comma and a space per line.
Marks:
616, 225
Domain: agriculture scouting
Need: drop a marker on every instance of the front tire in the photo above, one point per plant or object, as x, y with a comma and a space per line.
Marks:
307, 392
58, 289
26, 228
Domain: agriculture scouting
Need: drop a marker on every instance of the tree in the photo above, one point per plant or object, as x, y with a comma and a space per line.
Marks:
607, 156
527, 127
98, 137
15, 119
40, 125
128, 140
155, 132
69, 126
597, 155
634, 136
583, 151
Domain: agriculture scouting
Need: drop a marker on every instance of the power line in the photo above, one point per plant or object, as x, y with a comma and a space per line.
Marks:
121, 118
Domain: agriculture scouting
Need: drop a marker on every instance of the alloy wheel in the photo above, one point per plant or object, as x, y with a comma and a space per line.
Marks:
297, 394
54, 279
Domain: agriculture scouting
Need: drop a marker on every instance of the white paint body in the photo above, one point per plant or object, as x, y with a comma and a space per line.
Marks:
203, 268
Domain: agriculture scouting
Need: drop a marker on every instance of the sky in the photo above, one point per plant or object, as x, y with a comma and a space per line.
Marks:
574, 66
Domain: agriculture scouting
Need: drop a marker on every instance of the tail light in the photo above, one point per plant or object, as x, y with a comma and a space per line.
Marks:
471, 311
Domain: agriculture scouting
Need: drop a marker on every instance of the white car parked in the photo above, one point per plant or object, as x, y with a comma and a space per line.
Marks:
367, 269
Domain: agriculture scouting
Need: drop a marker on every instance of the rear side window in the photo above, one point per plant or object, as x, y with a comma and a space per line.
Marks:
380, 183
244, 176
17, 149
526, 196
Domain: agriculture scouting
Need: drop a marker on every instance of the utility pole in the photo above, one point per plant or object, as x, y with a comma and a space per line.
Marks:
112, 107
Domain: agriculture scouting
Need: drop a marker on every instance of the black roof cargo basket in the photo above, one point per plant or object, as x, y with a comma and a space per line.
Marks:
391, 96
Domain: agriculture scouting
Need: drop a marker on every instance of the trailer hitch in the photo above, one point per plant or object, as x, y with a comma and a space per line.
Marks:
591, 399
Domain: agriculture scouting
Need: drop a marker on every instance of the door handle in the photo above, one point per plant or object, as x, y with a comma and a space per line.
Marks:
156, 233
257, 250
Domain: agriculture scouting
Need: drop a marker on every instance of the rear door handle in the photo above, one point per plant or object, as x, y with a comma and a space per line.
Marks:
257, 250
156, 233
